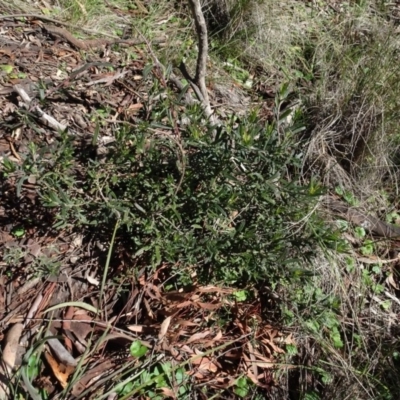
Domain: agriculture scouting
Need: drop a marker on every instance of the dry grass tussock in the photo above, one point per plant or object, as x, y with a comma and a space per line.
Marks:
361, 366
344, 64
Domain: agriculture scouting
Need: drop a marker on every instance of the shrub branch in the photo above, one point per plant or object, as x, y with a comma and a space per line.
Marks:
201, 66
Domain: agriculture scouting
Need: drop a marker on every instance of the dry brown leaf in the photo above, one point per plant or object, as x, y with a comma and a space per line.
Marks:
91, 278
183, 323
252, 377
187, 349
241, 327
184, 304
198, 336
195, 298
208, 306
252, 358
10, 348
269, 343
212, 289
265, 364
60, 371
135, 328
198, 375
34, 248
168, 392
90, 374
259, 356
67, 327
289, 340
174, 352
390, 280
211, 342
135, 107
204, 363
108, 79
164, 327
142, 280
153, 291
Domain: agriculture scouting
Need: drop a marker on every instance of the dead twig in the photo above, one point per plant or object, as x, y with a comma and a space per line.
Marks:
46, 119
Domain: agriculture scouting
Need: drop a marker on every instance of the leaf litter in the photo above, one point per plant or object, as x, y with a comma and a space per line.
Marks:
82, 348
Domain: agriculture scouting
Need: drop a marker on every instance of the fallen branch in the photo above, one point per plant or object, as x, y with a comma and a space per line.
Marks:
45, 118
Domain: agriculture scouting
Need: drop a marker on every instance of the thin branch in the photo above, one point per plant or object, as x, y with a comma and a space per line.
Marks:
201, 66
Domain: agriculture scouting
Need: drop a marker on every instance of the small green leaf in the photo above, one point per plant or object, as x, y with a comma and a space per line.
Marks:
241, 387
180, 376
339, 190
241, 392
376, 269
368, 248
242, 382
137, 349
241, 295
32, 369
350, 264
18, 232
6, 68
386, 304
291, 349
337, 340
359, 232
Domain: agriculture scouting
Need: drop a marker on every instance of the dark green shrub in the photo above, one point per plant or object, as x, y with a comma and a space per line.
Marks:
224, 205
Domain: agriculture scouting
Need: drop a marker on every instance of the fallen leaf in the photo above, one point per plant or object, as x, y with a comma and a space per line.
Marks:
187, 349
60, 371
252, 359
91, 278
211, 342
90, 374
135, 328
184, 304
269, 343
208, 306
164, 328
108, 79
211, 289
390, 280
168, 392
204, 363
11, 347
198, 336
